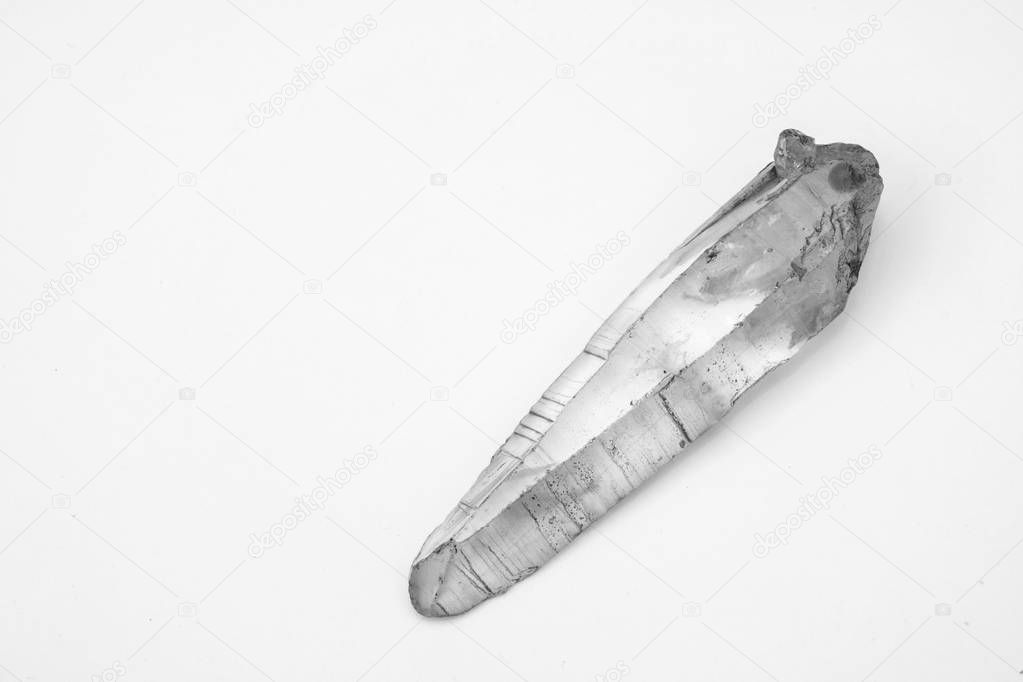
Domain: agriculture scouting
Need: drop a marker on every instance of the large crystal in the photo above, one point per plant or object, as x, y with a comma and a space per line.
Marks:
741, 296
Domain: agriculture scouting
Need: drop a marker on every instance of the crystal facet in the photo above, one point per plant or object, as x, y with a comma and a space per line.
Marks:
771, 268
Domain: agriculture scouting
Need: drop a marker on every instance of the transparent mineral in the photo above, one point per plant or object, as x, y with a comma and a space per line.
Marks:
741, 296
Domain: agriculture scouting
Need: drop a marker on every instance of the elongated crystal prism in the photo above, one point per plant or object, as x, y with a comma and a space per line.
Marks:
741, 296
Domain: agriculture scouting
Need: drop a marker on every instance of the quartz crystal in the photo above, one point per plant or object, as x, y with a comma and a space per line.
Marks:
771, 268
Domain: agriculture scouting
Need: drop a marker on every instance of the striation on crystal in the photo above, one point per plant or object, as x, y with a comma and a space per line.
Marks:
770, 269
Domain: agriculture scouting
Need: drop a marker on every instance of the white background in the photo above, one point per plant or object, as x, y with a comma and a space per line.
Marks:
126, 511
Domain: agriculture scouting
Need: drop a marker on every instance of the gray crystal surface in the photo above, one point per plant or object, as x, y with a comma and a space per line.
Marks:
738, 298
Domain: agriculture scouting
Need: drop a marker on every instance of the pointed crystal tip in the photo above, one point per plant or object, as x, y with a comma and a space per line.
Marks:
794, 154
